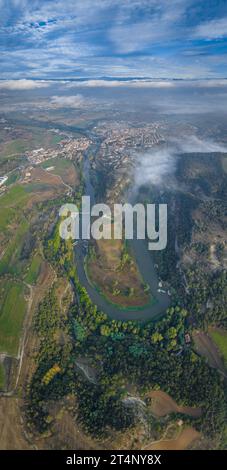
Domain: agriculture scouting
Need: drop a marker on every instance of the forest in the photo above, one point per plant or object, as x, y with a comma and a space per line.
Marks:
149, 356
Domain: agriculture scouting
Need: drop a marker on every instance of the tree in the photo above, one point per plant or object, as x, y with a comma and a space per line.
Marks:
156, 337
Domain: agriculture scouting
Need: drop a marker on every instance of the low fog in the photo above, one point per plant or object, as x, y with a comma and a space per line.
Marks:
157, 166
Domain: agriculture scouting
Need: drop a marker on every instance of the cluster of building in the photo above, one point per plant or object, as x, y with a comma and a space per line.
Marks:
118, 142
68, 148
115, 156
72, 147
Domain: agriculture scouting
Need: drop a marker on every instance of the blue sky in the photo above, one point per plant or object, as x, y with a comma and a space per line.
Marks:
113, 38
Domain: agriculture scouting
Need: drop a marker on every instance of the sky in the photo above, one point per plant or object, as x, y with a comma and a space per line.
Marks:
116, 39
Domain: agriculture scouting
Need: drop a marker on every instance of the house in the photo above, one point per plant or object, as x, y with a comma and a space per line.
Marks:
187, 338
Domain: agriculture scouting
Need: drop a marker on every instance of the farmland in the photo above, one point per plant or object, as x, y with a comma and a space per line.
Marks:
12, 312
20, 260
219, 337
64, 168
34, 269
2, 376
206, 347
26, 139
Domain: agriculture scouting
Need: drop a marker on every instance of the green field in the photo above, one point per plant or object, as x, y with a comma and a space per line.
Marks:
10, 262
12, 312
34, 269
15, 147
16, 197
59, 164
2, 376
13, 177
37, 138
14, 225
220, 339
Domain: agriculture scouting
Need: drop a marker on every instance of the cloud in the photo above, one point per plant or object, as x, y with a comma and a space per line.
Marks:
75, 101
194, 144
91, 38
212, 29
157, 167
208, 83
162, 20
122, 83
22, 84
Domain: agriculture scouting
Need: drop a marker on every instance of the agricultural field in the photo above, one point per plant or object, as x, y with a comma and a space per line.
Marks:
22, 140
219, 337
64, 168
12, 178
20, 260
34, 269
12, 312
2, 376
206, 347
11, 261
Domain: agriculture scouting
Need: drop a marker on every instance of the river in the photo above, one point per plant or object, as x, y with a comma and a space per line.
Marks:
144, 262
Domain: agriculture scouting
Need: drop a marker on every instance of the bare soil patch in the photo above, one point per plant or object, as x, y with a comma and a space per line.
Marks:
11, 431
40, 175
162, 404
186, 437
206, 348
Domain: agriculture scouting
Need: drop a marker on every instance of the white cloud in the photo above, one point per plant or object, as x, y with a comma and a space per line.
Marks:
213, 29
165, 23
22, 84
122, 83
75, 101
157, 166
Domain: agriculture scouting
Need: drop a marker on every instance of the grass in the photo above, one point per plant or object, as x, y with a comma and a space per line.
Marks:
10, 262
37, 138
59, 164
14, 224
220, 339
16, 146
34, 269
16, 197
10, 205
12, 312
6, 217
2, 376
13, 177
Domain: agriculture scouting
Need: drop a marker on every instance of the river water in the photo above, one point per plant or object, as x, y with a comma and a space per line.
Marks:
144, 262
